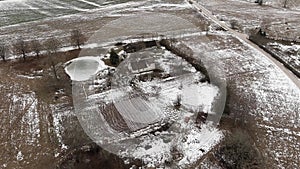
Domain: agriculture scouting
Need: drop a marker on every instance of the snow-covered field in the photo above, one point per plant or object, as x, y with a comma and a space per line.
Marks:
18, 11
278, 22
261, 89
290, 4
88, 21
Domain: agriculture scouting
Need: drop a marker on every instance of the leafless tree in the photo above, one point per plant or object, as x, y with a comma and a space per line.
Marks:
77, 38
206, 29
2, 51
21, 47
177, 102
52, 45
36, 47
285, 3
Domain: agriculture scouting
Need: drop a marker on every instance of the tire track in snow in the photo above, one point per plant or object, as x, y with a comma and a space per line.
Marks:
69, 6
35, 7
90, 3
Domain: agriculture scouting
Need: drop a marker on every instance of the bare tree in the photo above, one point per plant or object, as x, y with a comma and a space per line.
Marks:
77, 38
21, 47
36, 47
206, 29
52, 45
284, 3
177, 102
3, 51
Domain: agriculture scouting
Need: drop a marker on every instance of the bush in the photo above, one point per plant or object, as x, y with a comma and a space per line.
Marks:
114, 57
234, 24
177, 102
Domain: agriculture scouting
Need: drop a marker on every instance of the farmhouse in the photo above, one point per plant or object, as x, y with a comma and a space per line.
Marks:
141, 66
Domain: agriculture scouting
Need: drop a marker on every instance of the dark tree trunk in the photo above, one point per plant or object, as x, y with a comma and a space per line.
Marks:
78, 44
285, 3
54, 71
24, 55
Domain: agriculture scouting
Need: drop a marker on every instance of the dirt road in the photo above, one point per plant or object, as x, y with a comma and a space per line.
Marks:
244, 38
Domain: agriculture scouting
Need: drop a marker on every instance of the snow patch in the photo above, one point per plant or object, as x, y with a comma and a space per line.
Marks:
20, 156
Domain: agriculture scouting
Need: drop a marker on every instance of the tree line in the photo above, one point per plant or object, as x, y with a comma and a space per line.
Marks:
50, 46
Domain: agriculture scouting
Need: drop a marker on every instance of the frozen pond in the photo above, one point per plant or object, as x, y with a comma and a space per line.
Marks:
84, 68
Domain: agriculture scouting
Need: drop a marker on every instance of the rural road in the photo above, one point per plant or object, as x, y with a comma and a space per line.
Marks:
244, 38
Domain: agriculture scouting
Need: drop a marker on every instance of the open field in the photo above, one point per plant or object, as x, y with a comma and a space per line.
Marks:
278, 22
15, 12
88, 21
257, 88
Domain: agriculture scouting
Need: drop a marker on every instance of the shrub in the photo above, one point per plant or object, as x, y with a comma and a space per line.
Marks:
234, 24
114, 57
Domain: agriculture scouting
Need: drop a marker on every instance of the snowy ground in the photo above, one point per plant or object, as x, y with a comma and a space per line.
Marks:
279, 23
90, 21
18, 11
260, 88
189, 142
180, 149
71, 16
290, 53
291, 4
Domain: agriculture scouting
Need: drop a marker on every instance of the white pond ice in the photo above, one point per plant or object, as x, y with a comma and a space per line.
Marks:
84, 68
